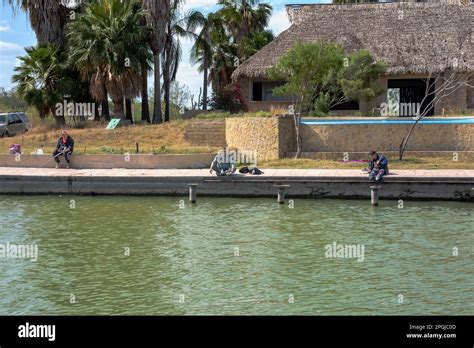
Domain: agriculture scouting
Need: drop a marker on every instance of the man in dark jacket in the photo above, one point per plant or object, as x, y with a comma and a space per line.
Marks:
64, 147
221, 164
378, 166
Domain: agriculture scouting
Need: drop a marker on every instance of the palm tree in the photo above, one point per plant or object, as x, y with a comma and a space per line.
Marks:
108, 45
226, 38
171, 55
255, 42
223, 62
201, 52
178, 27
47, 18
41, 79
244, 17
157, 18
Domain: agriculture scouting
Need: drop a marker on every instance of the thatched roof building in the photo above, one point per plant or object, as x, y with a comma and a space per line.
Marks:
409, 37
414, 39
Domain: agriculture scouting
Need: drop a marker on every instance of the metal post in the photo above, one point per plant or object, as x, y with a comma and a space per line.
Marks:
192, 193
281, 193
374, 195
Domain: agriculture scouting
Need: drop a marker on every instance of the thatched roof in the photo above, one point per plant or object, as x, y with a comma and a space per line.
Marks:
409, 37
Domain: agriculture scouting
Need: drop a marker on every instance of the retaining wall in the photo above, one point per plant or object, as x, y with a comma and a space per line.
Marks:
271, 137
201, 160
387, 137
274, 137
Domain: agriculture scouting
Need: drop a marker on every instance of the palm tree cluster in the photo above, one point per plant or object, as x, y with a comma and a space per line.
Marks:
226, 38
105, 49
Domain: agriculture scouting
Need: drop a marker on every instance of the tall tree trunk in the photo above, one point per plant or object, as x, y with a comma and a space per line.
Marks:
96, 111
128, 110
118, 108
157, 115
166, 86
145, 106
60, 120
204, 87
105, 109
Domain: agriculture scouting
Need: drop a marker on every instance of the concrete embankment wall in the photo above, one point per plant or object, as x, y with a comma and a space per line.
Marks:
301, 187
201, 160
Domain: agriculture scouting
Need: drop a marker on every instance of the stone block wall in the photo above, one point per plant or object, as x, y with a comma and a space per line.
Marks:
271, 137
206, 133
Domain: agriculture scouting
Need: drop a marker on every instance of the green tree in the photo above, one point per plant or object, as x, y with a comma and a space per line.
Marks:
322, 73
41, 79
47, 18
11, 101
225, 39
201, 52
177, 28
157, 18
108, 45
255, 42
243, 18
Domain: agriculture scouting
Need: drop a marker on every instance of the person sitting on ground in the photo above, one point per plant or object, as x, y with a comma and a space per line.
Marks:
64, 147
378, 166
220, 166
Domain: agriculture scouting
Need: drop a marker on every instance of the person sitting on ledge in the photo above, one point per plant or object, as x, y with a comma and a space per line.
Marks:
64, 147
378, 166
221, 166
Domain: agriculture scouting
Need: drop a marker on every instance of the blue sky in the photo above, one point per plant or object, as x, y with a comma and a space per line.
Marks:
16, 33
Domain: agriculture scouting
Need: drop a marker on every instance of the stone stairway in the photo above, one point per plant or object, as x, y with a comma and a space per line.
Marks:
206, 133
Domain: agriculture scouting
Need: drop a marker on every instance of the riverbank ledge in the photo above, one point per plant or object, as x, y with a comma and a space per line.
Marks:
454, 185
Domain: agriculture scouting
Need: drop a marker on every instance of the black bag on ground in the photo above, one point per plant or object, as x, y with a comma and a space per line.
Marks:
244, 170
256, 171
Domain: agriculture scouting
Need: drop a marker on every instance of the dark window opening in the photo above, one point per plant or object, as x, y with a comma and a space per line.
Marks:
257, 91
412, 96
263, 91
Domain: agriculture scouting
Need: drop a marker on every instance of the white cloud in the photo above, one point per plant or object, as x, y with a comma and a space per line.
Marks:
279, 21
189, 75
199, 4
4, 28
10, 49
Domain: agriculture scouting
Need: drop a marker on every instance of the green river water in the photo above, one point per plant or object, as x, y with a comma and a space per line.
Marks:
235, 256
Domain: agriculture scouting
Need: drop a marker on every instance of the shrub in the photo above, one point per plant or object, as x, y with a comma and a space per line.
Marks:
229, 98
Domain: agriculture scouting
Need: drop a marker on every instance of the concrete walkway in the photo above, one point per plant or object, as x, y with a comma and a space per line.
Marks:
395, 175
313, 183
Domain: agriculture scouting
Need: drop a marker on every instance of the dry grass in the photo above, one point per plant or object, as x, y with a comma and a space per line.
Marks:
164, 138
407, 163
